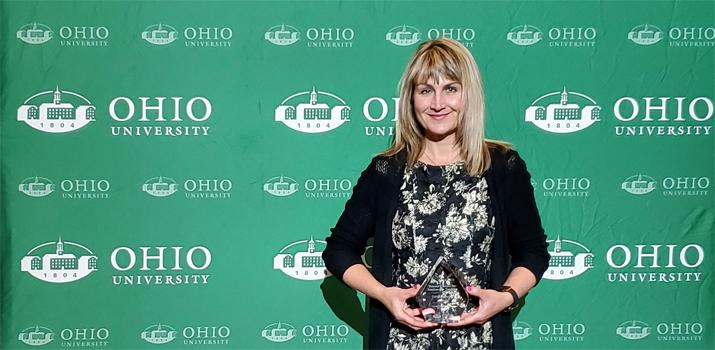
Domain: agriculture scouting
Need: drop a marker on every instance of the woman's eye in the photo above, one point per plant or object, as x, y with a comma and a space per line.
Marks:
452, 89
425, 91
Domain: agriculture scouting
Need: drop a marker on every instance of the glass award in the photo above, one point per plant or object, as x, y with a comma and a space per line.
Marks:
443, 295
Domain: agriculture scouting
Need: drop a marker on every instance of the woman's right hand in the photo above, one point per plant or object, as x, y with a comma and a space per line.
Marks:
395, 300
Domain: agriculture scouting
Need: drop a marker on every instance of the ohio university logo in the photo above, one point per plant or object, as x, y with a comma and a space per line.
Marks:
655, 263
36, 186
160, 186
522, 330
639, 184
57, 111
160, 34
281, 186
59, 262
36, 335
194, 188
645, 34
35, 33
302, 260
279, 332
633, 330
672, 186
202, 335
158, 334
524, 35
568, 259
562, 115
663, 116
316, 37
304, 112
403, 35
282, 35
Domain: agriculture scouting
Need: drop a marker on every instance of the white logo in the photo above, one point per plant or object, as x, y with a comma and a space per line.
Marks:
680, 331
35, 33
84, 36
522, 330
301, 260
639, 184
152, 119
206, 335
563, 117
208, 37
159, 334
279, 332
281, 186
465, 36
322, 188
561, 332
633, 330
71, 188
84, 337
36, 335
376, 110
59, 266
147, 265
282, 35
312, 116
692, 36
325, 333
564, 186
161, 186
56, 116
655, 263
570, 262
572, 37
663, 116
36, 186
645, 34
403, 35
524, 35
330, 37
160, 34
208, 188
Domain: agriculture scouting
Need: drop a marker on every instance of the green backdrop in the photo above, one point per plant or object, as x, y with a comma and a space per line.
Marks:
170, 170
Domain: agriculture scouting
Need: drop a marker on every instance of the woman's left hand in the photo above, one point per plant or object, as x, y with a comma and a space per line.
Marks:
491, 302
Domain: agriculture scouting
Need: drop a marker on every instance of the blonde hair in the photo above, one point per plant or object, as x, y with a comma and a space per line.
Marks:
444, 59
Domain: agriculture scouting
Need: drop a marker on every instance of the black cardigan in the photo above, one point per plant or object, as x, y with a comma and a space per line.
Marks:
519, 239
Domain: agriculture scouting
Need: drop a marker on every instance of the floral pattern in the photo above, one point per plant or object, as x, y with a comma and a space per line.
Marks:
443, 211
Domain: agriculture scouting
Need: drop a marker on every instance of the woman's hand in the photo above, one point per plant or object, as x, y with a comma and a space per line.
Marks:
491, 302
395, 300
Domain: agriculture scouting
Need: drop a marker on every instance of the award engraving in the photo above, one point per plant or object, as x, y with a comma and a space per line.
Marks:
443, 295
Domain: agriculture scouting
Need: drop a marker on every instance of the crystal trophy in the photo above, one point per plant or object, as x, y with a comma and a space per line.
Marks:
443, 295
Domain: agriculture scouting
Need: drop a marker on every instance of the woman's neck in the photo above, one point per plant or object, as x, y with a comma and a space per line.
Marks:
442, 152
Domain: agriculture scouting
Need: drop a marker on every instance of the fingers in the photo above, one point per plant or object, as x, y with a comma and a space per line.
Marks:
408, 318
471, 317
474, 291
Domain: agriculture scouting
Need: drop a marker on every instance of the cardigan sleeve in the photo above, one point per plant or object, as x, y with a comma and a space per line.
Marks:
356, 225
527, 242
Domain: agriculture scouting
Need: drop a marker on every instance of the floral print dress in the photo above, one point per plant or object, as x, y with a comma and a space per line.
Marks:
443, 211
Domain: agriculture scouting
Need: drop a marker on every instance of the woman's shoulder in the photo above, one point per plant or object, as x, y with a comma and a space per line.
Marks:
503, 157
389, 164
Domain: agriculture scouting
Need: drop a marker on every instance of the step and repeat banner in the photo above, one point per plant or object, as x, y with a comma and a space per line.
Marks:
170, 170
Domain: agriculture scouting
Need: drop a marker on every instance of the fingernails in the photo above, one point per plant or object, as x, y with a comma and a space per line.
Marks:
470, 289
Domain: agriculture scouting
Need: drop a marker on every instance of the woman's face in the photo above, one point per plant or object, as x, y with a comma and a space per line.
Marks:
437, 107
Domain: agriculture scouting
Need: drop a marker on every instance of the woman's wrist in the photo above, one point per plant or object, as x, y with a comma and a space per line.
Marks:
510, 297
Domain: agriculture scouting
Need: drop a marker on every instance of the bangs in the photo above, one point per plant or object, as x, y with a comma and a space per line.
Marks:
438, 63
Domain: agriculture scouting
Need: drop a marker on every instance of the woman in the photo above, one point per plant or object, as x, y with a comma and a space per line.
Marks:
441, 189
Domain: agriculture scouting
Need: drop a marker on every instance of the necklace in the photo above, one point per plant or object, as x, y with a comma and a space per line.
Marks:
449, 161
